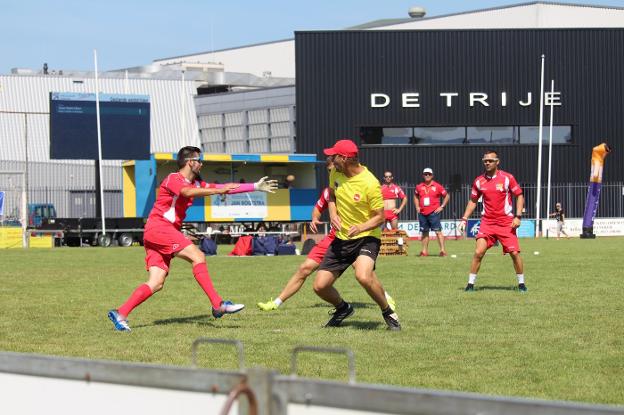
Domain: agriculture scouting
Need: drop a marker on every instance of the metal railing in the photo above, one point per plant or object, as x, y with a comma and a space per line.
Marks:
571, 195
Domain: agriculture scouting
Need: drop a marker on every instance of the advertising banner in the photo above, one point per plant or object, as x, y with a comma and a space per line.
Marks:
1, 203
239, 205
526, 229
599, 153
449, 229
574, 227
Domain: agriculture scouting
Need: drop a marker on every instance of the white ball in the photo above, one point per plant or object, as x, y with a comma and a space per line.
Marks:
536, 253
453, 256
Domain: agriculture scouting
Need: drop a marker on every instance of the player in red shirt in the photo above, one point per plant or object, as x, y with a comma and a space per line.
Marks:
498, 220
315, 256
163, 240
391, 192
427, 201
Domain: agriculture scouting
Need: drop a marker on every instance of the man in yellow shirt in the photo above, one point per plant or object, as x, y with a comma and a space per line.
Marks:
356, 211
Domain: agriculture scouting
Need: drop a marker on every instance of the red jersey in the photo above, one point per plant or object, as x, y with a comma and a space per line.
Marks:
496, 192
321, 205
323, 201
429, 196
392, 191
170, 206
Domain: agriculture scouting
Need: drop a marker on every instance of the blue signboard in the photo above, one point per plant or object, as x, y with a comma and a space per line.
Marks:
124, 124
1, 203
526, 229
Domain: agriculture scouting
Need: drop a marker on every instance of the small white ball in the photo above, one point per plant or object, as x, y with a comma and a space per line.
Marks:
536, 253
453, 256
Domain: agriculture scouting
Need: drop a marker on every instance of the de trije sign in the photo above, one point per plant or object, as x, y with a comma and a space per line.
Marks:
412, 99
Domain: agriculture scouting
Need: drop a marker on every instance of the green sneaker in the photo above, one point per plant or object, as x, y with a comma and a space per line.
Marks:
391, 302
268, 306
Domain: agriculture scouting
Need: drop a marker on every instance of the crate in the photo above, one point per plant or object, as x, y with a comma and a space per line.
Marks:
390, 243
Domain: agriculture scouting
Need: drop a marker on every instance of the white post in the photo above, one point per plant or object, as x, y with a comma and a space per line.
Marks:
539, 155
99, 136
25, 216
550, 137
183, 96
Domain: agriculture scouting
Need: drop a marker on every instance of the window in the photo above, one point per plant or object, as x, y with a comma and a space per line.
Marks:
492, 135
561, 134
463, 135
439, 135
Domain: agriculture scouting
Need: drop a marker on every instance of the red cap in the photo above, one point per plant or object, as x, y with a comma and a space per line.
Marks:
345, 148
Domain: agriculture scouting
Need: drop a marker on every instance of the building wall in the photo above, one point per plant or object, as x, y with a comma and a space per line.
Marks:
173, 119
258, 121
266, 59
337, 72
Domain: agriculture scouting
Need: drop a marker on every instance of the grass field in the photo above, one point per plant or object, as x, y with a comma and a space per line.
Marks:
562, 340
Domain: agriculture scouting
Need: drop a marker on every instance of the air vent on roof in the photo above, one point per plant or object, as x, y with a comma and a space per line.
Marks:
416, 12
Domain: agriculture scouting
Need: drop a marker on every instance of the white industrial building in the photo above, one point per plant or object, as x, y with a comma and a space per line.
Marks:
232, 100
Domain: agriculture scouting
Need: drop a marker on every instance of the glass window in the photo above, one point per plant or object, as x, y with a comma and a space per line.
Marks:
492, 135
562, 134
396, 136
439, 135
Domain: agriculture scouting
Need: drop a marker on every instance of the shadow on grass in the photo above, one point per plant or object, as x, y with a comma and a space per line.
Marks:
362, 325
354, 304
201, 320
493, 288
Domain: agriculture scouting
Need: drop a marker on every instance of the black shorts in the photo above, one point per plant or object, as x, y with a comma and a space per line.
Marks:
341, 254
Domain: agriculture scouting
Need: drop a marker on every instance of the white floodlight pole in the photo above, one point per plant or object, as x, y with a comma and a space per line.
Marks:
550, 138
99, 136
539, 155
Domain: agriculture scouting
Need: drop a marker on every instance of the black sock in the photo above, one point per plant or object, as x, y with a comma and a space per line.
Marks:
387, 311
342, 306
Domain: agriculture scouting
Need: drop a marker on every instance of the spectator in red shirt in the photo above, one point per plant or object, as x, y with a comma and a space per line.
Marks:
427, 201
163, 239
391, 192
498, 220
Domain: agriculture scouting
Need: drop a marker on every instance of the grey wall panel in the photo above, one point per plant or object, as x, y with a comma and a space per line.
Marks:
336, 72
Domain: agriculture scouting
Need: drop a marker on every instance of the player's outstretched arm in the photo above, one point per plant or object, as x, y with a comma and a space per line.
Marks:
207, 191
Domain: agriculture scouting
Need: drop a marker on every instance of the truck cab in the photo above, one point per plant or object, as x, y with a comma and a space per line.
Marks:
40, 213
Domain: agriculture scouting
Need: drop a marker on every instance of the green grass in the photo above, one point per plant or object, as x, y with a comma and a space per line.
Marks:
562, 340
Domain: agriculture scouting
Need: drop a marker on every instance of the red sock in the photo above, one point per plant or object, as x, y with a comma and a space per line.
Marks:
142, 293
200, 271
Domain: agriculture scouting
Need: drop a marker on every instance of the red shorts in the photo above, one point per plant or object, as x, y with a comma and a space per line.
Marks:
161, 243
390, 215
318, 252
505, 234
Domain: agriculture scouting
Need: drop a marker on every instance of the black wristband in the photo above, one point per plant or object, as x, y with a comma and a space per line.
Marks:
519, 216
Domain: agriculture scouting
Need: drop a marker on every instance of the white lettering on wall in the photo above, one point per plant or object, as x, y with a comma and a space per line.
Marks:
479, 97
503, 99
528, 101
410, 100
552, 98
449, 97
375, 98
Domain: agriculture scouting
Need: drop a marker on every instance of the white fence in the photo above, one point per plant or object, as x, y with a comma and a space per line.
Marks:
78, 386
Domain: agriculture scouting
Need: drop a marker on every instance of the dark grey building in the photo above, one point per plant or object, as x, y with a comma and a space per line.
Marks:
414, 99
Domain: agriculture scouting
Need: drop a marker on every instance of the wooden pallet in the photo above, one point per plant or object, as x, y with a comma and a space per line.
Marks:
390, 243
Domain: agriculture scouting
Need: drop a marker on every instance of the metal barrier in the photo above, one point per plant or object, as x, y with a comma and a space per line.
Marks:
99, 386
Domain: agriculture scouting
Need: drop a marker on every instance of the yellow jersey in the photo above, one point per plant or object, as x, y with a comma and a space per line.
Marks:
356, 198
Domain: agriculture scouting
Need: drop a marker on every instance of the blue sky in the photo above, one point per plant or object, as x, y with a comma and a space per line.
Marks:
128, 33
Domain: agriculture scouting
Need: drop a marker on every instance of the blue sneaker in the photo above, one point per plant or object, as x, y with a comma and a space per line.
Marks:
121, 324
522, 288
227, 307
